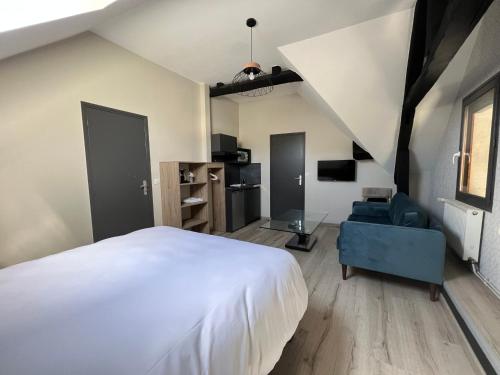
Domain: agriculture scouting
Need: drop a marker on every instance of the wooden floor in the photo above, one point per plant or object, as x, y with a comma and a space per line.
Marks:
478, 306
369, 324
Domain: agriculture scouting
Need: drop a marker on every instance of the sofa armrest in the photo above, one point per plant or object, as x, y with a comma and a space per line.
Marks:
370, 208
415, 253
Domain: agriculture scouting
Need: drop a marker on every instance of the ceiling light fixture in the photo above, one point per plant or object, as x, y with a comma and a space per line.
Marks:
252, 72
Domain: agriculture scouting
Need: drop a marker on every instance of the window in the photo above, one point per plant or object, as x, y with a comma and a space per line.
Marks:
478, 146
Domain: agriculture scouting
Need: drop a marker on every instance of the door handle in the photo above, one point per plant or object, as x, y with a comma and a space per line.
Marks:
144, 187
300, 179
456, 155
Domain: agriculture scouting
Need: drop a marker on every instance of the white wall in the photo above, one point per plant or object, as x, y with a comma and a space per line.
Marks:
324, 141
359, 72
481, 57
434, 111
224, 116
44, 198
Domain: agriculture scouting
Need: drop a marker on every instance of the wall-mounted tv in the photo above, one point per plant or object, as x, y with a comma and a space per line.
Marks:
337, 170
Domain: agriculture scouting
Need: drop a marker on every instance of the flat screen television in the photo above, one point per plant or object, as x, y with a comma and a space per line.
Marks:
337, 170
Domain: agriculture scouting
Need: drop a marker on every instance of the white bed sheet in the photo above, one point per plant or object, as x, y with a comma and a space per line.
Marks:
156, 301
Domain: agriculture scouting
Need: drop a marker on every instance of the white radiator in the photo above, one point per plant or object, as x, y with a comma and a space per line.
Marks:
463, 225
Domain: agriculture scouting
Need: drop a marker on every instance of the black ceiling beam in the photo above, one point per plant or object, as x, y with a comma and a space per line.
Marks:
284, 76
439, 30
418, 43
416, 59
434, 16
459, 19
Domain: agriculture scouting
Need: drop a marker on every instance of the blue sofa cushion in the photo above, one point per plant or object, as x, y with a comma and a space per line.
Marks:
397, 202
370, 208
370, 219
404, 212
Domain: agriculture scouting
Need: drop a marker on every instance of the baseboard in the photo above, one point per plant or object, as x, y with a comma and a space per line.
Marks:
478, 351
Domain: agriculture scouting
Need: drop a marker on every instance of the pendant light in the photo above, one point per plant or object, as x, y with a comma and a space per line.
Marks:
253, 72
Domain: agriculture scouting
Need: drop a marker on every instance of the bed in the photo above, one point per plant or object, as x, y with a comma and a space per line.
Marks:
156, 301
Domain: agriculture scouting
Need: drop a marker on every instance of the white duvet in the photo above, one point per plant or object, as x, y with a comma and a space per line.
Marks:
156, 301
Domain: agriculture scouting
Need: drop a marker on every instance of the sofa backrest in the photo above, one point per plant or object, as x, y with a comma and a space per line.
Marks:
405, 212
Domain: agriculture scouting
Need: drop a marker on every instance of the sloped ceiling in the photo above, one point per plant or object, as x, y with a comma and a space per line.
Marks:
208, 41
24, 39
359, 73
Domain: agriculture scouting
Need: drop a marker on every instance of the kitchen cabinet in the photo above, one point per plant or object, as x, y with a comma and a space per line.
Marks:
242, 206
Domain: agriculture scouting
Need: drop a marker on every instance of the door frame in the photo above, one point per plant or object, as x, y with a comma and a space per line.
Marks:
86, 106
303, 168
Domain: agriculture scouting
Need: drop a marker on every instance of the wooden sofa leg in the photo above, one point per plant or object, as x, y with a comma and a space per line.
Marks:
434, 289
344, 272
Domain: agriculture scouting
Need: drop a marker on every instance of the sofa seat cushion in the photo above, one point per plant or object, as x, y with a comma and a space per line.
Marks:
370, 219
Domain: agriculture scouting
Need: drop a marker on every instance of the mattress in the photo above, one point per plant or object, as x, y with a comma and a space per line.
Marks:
156, 301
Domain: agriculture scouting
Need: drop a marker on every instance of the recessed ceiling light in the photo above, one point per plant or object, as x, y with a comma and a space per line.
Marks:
16, 14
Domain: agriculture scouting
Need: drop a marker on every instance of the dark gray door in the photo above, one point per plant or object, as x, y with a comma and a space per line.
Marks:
119, 172
287, 172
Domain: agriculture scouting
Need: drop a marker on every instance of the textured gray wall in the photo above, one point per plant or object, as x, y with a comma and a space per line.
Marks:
483, 63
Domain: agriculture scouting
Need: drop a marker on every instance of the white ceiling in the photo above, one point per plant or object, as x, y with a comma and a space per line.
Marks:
359, 73
24, 39
205, 41
208, 41
23, 13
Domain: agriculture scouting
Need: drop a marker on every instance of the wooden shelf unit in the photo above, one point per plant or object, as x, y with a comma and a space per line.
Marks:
184, 205
192, 183
194, 216
190, 223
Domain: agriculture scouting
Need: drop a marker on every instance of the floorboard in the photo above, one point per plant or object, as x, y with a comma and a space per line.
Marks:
370, 323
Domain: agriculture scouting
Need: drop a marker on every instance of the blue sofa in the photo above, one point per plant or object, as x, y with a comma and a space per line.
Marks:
393, 238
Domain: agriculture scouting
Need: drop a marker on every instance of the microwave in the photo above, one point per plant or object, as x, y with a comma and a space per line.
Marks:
244, 156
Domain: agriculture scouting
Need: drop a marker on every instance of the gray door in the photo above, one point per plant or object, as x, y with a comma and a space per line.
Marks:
119, 172
287, 172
